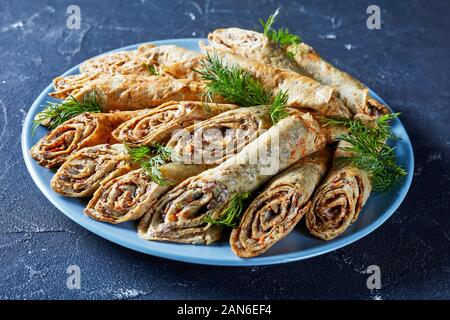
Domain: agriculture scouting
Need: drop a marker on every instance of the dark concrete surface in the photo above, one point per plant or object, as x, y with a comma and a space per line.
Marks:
406, 62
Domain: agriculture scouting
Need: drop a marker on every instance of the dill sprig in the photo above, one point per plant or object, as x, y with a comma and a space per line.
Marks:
57, 113
150, 159
237, 86
278, 107
369, 151
233, 83
151, 69
231, 216
281, 37
139, 154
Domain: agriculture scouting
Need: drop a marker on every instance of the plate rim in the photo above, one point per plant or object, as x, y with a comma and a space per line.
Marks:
265, 260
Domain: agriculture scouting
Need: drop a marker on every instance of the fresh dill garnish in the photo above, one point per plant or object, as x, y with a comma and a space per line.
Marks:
206, 106
369, 151
139, 154
267, 25
281, 37
278, 107
151, 69
233, 83
291, 53
150, 159
57, 113
231, 216
151, 167
237, 86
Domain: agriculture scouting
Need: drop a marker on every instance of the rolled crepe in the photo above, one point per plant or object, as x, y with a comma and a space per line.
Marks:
122, 62
217, 139
134, 62
338, 200
185, 69
355, 95
179, 215
64, 86
86, 169
118, 63
257, 46
252, 45
165, 54
279, 207
158, 125
131, 92
84, 130
128, 197
303, 91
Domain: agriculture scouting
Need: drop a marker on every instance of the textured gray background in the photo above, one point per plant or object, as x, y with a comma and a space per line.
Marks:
406, 62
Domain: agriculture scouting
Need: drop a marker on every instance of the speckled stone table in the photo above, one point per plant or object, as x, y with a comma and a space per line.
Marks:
406, 62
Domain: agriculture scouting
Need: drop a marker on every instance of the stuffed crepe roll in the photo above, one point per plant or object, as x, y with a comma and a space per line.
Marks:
338, 200
136, 61
165, 54
86, 169
185, 69
180, 214
256, 46
158, 125
128, 197
252, 45
279, 207
144, 61
132, 92
352, 92
84, 130
303, 91
215, 140
123, 62
118, 63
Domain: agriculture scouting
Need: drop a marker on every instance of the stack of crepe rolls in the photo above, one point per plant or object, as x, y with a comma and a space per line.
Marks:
154, 97
304, 92
128, 197
135, 62
84, 130
118, 63
256, 46
215, 140
86, 169
179, 215
157, 125
280, 206
339, 198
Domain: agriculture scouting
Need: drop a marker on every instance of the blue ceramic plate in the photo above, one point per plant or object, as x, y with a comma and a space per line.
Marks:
297, 245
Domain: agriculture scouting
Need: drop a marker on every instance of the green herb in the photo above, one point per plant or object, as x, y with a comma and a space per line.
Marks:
234, 84
139, 154
231, 216
150, 159
369, 150
292, 51
278, 107
280, 37
58, 113
237, 86
151, 167
152, 69
206, 107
